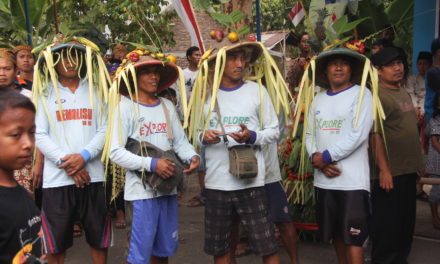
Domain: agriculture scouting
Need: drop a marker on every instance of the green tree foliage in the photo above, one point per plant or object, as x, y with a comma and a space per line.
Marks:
13, 22
126, 20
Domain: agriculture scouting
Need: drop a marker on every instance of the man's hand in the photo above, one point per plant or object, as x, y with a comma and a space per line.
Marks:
195, 162
331, 171
386, 180
317, 161
81, 178
211, 137
165, 168
242, 136
73, 163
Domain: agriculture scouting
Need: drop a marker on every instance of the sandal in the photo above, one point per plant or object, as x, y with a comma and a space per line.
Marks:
195, 202
77, 230
119, 225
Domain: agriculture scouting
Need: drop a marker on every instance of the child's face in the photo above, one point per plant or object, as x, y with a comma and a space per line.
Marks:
17, 138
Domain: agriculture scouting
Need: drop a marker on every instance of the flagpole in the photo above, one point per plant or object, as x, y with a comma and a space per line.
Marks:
28, 24
308, 22
55, 11
258, 25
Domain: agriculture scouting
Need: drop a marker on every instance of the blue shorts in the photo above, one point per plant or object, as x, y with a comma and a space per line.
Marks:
153, 229
278, 205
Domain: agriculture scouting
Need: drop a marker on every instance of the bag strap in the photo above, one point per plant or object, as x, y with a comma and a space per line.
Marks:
170, 135
217, 109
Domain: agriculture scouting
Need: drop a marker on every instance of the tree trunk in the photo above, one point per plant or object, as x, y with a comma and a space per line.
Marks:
244, 6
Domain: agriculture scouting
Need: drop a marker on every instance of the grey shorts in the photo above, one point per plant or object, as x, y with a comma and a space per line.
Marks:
249, 206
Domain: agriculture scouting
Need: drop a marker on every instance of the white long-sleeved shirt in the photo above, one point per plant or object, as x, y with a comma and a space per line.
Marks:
79, 127
149, 126
239, 105
332, 116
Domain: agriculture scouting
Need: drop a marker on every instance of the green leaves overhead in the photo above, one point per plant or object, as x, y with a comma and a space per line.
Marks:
340, 27
231, 20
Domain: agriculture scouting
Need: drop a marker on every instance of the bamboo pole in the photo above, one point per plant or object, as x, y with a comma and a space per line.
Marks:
55, 11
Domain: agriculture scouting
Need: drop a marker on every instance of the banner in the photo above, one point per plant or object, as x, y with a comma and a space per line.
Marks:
186, 13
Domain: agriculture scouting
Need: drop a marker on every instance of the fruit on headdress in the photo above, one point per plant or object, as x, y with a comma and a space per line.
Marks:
233, 37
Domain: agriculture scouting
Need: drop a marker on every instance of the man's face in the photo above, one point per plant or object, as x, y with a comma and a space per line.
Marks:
304, 44
17, 137
423, 66
195, 57
376, 48
234, 68
25, 61
70, 68
338, 72
148, 79
388, 34
392, 73
7, 73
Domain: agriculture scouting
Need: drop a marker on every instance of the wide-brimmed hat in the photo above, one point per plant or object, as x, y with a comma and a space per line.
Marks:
68, 45
252, 50
168, 71
357, 64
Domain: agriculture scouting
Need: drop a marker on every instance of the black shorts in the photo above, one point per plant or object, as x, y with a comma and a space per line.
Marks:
343, 214
278, 205
58, 214
249, 206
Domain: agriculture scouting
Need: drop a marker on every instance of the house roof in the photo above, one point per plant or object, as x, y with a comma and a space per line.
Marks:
271, 38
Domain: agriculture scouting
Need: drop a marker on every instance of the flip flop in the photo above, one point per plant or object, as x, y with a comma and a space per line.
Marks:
77, 231
119, 225
195, 202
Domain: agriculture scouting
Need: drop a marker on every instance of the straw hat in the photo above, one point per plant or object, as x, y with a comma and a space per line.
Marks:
324, 57
252, 50
140, 59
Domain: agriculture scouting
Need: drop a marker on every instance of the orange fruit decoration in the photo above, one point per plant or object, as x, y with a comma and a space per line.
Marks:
172, 58
233, 37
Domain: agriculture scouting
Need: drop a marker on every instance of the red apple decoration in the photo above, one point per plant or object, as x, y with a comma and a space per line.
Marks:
219, 35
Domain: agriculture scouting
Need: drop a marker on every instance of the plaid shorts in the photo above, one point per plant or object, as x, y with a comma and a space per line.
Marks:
249, 206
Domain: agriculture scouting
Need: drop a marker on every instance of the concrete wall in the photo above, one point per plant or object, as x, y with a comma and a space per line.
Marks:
426, 22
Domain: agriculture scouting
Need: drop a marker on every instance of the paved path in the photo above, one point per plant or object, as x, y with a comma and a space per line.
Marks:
425, 247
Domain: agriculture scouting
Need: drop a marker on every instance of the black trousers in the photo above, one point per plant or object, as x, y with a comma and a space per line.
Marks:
393, 220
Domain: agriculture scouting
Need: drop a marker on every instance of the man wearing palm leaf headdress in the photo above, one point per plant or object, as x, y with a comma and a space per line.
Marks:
69, 89
139, 115
337, 143
236, 121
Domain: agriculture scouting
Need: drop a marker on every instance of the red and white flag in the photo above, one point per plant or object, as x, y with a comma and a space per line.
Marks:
297, 13
332, 21
186, 13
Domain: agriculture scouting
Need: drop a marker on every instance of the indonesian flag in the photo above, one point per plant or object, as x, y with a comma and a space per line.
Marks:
297, 13
332, 21
186, 13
